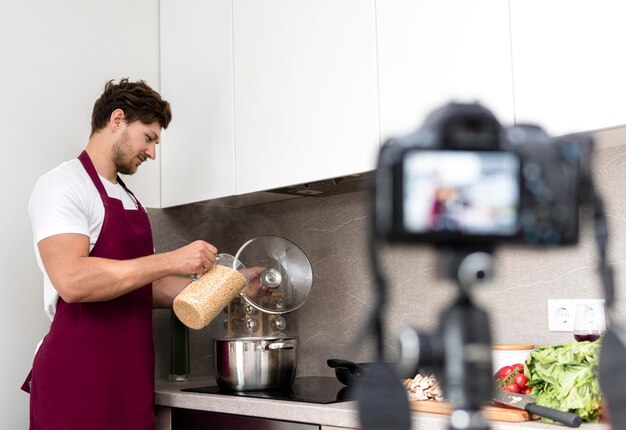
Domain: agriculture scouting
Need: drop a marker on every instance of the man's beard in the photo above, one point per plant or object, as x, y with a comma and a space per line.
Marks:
122, 157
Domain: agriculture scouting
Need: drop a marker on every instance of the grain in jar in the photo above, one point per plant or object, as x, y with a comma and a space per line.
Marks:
203, 299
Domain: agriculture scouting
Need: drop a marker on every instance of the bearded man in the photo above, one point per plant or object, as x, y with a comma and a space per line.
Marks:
101, 277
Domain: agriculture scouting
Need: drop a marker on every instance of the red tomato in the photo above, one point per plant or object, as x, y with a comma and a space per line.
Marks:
512, 388
519, 366
526, 390
521, 380
503, 372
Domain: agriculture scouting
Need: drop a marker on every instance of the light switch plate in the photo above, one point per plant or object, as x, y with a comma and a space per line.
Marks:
561, 312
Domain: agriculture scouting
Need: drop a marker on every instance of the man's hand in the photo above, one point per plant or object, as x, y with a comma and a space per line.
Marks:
193, 259
255, 288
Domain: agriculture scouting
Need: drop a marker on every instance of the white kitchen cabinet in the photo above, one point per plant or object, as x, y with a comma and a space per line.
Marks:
569, 65
271, 93
196, 154
430, 53
306, 102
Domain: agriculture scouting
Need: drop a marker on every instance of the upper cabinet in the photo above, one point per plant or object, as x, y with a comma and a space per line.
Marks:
430, 53
272, 93
197, 77
306, 101
196, 155
569, 63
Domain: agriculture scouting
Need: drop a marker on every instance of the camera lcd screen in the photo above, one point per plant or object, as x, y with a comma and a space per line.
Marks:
461, 193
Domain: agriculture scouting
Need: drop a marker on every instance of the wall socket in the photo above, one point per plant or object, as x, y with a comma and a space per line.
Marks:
561, 312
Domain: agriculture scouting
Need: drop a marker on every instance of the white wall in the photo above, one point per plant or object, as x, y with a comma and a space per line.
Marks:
54, 60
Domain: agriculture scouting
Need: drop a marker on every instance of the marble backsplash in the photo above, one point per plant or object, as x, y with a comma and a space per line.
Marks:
332, 232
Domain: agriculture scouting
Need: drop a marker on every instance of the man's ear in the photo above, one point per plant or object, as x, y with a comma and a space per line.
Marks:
116, 119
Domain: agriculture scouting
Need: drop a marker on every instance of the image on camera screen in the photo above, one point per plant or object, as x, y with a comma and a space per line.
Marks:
461, 193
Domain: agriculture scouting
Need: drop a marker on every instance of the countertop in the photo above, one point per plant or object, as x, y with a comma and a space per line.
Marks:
343, 414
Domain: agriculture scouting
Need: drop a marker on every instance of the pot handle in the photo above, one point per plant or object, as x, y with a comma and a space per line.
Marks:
279, 345
352, 367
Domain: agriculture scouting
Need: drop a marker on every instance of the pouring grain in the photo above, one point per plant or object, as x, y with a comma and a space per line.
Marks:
203, 299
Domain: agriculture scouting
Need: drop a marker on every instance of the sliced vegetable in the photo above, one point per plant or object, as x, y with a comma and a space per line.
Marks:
424, 388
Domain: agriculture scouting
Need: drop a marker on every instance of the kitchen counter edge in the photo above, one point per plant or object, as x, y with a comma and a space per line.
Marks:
343, 414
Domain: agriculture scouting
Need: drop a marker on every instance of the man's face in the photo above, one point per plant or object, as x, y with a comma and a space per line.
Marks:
136, 143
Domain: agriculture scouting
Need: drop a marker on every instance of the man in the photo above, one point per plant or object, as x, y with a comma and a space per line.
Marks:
93, 241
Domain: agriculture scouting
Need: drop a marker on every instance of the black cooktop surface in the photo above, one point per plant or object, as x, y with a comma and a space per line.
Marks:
308, 389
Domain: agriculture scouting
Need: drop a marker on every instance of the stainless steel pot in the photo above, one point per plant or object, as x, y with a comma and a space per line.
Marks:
254, 363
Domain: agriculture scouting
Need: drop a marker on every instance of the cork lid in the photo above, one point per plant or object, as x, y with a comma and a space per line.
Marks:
512, 346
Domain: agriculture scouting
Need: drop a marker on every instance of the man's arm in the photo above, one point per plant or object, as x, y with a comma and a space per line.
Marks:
78, 277
165, 290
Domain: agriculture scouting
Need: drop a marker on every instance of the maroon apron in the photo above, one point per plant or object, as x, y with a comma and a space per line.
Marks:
95, 368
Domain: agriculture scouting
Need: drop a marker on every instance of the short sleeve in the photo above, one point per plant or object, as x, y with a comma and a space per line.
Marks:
58, 204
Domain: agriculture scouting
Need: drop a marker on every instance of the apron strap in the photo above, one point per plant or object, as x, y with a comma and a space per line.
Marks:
93, 174
139, 205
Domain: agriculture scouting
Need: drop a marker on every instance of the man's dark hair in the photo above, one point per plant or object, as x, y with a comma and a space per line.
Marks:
138, 101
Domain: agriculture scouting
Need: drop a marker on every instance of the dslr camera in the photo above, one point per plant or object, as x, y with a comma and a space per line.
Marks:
463, 179
464, 183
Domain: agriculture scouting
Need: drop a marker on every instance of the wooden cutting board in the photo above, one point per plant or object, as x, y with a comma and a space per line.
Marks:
494, 413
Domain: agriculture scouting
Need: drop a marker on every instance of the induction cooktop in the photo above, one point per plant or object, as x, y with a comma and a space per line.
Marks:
308, 389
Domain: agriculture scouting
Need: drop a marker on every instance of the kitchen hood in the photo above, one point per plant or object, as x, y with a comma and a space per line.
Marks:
326, 187
321, 188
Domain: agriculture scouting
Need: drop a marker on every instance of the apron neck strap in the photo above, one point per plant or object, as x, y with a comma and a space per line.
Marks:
93, 174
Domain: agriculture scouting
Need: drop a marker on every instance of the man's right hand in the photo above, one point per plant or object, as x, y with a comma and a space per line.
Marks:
194, 259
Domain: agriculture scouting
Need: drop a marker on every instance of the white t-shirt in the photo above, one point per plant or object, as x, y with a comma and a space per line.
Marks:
65, 200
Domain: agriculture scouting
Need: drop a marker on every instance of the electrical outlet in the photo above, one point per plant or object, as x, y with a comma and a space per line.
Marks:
561, 312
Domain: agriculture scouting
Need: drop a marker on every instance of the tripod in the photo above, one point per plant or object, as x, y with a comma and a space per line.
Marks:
460, 351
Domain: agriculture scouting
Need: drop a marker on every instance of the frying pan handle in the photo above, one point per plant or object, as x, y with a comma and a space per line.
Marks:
567, 418
350, 366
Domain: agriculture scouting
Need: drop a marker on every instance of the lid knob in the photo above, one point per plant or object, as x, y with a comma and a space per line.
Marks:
271, 278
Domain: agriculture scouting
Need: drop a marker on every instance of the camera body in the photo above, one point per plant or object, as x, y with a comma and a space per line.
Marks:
464, 179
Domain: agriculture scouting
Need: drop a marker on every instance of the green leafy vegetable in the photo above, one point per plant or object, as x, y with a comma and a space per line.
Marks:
565, 377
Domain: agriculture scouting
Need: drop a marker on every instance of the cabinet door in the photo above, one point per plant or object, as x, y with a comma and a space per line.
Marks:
306, 105
568, 62
197, 150
433, 52
163, 417
184, 419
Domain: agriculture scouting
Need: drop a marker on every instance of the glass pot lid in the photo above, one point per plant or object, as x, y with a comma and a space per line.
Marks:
279, 274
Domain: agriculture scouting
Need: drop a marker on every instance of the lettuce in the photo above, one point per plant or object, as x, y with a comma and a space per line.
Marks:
565, 377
